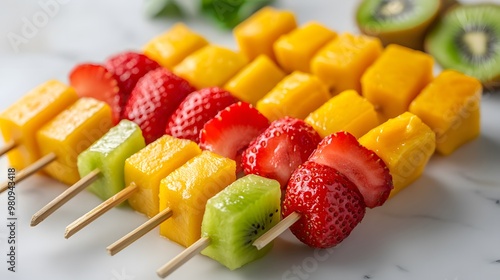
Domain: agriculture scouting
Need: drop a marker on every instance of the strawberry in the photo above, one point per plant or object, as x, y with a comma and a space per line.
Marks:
363, 167
198, 108
154, 99
128, 68
329, 204
93, 80
232, 129
279, 150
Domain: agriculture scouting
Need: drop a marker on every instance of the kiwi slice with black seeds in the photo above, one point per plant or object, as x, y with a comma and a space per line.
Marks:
237, 216
467, 39
402, 22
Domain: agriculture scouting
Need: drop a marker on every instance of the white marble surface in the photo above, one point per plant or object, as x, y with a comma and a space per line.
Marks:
446, 226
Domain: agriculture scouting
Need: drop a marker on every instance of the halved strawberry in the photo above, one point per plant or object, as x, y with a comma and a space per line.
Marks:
232, 129
279, 150
94, 80
154, 99
330, 205
363, 167
197, 109
128, 67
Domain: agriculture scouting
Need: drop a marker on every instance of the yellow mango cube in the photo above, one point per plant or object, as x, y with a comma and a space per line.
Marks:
450, 105
150, 165
70, 133
173, 46
21, 121
186, 191
297, 95
347, 111
257, 34
396, 78
295, 50
255, 80
405, 144
210, 66
342, 62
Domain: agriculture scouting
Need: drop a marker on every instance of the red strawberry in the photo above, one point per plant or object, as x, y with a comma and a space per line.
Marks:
363, 167
197, 109
232, 129
154, 99
128, 68
329, 204
279, 150
93, 80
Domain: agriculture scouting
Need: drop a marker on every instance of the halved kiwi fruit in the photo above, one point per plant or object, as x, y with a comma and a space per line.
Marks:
402, 22
467, 39
238, 215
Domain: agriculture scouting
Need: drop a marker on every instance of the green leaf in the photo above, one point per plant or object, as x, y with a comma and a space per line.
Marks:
159, 8
229, 13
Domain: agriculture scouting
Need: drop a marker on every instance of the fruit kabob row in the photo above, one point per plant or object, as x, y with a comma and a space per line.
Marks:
217, 137
390, 85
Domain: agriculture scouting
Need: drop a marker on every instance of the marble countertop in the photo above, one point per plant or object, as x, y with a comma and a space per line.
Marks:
445, 226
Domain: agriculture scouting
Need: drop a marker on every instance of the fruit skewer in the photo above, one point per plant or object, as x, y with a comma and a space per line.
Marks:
143, 172
373, 176
19, 124
338, 196
101, 163
183, 196
249, 201
60, 140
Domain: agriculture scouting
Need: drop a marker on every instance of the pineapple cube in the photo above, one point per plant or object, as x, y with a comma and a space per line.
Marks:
255, 80
210, 66
450, 106
405, 144
257, 34
70, 133
347, 111
186, 191
296, 96
295, 50
342, 62
150, 165
172, 47
396, 78
20, 122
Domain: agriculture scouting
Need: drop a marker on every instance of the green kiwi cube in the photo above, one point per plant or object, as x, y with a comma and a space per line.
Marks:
237, 216
108, 155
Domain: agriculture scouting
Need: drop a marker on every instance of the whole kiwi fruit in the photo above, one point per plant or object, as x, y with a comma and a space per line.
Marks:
402, 22
467, 39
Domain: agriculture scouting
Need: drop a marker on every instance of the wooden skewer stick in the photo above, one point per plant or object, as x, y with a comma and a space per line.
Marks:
183, 257
275, 231
64, 197
137, 233
28, 171
98, 211
8, 146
